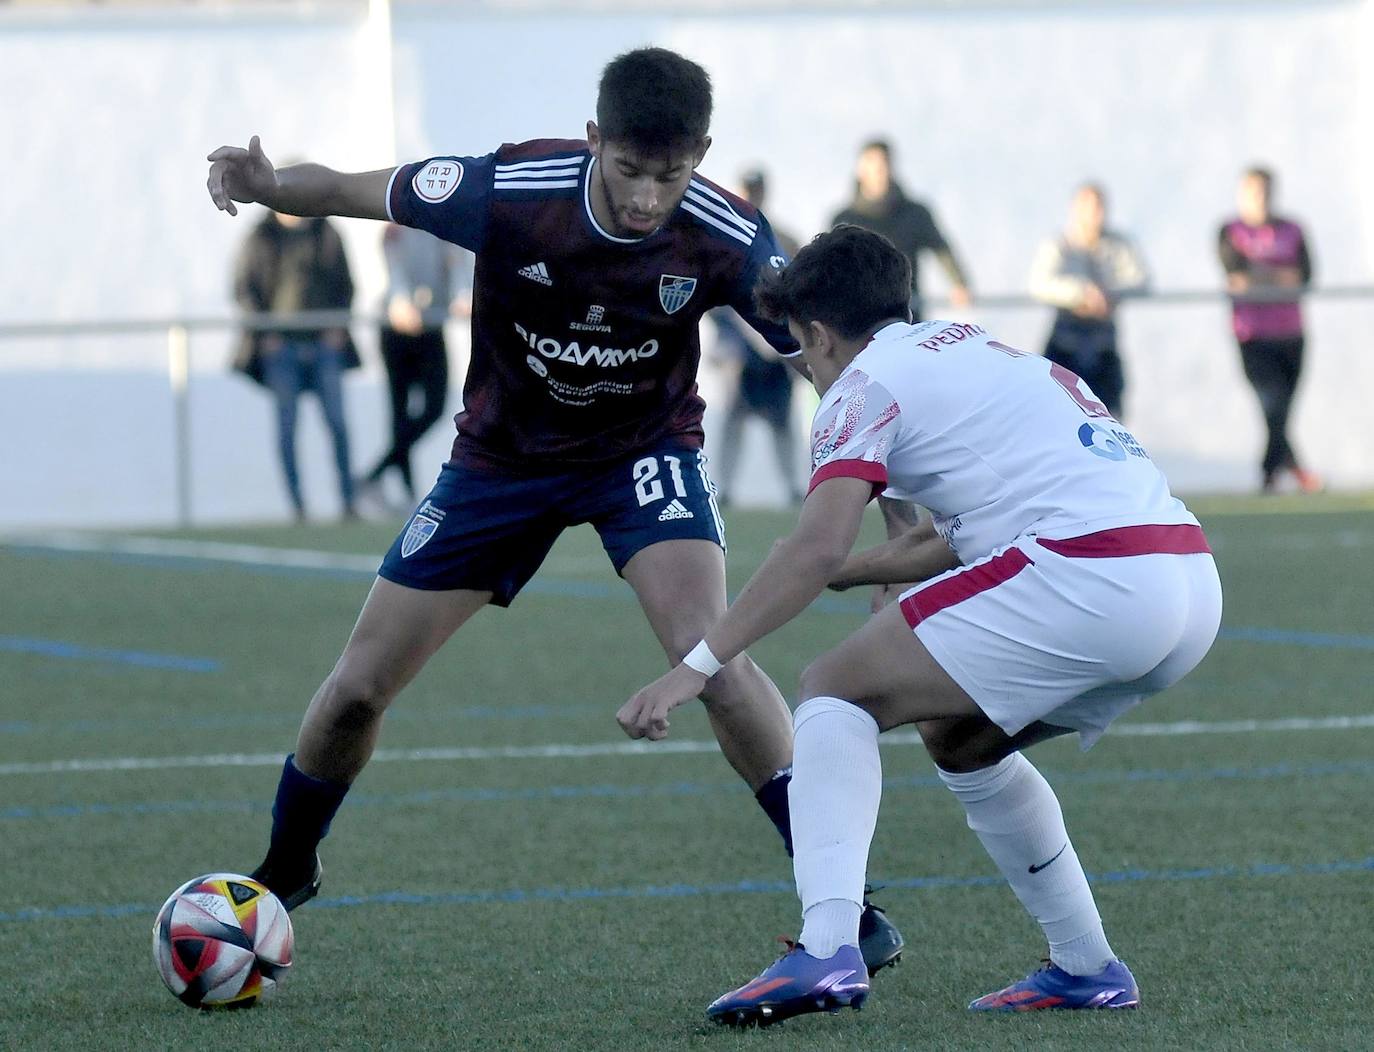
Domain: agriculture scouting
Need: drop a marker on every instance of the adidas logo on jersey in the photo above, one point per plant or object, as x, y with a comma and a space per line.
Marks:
675, 510
536, 272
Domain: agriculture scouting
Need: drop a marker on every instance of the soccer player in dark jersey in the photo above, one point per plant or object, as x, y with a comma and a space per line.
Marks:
595, 262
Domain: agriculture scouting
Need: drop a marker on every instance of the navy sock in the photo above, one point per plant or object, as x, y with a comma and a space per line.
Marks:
772, 797
301, 814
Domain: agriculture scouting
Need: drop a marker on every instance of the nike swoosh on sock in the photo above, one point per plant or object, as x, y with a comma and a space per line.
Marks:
1037, 869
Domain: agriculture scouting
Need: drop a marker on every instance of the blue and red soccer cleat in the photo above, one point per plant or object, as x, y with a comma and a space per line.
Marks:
1052, 987
794, 984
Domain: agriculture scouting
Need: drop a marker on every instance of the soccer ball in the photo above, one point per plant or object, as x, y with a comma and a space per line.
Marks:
222, 941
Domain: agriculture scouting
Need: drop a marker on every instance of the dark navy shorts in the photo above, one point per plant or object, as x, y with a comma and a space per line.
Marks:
485, 531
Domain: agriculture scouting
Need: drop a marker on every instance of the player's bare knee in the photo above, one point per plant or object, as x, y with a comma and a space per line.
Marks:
730, 687
823, 678
681, 644
353, 698
953, 748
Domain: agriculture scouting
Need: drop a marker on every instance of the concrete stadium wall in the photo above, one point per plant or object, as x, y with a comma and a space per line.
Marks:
995, 110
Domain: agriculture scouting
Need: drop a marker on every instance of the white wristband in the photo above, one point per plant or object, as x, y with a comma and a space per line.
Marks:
702, 660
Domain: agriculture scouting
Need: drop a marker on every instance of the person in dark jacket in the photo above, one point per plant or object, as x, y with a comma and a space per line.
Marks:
1085, 273
764, 386
290, 264
428, 281
881, 205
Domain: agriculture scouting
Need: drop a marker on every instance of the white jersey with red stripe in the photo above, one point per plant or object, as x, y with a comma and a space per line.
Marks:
996, 443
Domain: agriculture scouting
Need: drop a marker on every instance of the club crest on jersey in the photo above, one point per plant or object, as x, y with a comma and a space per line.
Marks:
418, 533
674, 291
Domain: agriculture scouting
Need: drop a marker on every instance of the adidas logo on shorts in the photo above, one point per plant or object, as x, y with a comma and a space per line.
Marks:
674, 510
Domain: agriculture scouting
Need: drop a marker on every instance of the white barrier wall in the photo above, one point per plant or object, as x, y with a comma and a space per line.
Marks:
995, 111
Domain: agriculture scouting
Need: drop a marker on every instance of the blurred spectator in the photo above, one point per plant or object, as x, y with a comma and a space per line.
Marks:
1084, 273
764, 387
291, 264
1267, 266
427, 280
881, 205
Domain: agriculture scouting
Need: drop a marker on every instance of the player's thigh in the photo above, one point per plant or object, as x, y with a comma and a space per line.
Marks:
478, 531
969, 743
885, 669
680, 585
398, 630
657, 517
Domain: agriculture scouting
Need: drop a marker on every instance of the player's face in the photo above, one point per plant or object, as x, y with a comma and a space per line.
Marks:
818, 349
637, 192
1088, 212
1252, 199
873, 172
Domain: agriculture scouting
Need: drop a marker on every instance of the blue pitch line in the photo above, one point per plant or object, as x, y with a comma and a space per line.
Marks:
76, 652
740, 887
168, 722
565, 588
676, 789
1326, 640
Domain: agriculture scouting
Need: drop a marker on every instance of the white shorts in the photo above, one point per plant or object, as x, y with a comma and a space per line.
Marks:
1072, 632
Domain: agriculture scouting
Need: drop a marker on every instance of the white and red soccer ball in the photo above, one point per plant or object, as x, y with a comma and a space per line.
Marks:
222, 941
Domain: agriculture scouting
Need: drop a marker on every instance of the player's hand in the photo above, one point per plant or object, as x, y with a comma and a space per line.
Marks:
1093, 303
882, 595
646, 714
405, 316
240, 175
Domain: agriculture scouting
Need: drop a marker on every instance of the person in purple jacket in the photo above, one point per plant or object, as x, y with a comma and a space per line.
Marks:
1267, 266
595, 260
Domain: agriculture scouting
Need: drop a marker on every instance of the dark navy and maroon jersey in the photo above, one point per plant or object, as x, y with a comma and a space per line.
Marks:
1253, 250
584, 345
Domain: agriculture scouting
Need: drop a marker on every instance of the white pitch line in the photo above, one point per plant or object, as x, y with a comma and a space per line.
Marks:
315, 559
216, 551
641, 748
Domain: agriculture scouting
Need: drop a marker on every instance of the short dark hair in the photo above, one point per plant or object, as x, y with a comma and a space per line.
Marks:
1263, 174
1095, 188
848, 278
654, 101
881, 145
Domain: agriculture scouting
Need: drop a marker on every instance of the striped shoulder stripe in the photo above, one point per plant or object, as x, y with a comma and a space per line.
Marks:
535, 184
721, 225
713, 201
546, 162
549, 173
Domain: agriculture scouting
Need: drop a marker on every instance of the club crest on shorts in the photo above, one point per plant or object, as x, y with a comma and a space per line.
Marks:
674, 291
418, 533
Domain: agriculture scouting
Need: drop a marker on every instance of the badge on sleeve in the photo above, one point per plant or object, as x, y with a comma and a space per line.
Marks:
437, 180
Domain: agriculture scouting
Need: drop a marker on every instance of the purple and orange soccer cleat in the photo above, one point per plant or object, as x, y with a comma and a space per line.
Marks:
1052, 987
794, 984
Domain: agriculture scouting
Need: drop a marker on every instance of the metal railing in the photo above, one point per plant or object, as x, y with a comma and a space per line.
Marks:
178, 332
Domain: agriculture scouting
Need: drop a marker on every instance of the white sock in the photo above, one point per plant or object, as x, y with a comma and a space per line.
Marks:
1017, 817
828, 925
837, 784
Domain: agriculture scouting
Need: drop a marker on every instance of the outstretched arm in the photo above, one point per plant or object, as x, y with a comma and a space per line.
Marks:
916, 555
795, 572
246, 176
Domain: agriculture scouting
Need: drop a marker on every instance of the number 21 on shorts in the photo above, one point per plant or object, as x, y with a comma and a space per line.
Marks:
649, 484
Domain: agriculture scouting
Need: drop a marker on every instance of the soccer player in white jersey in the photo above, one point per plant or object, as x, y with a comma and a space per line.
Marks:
1061, 585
